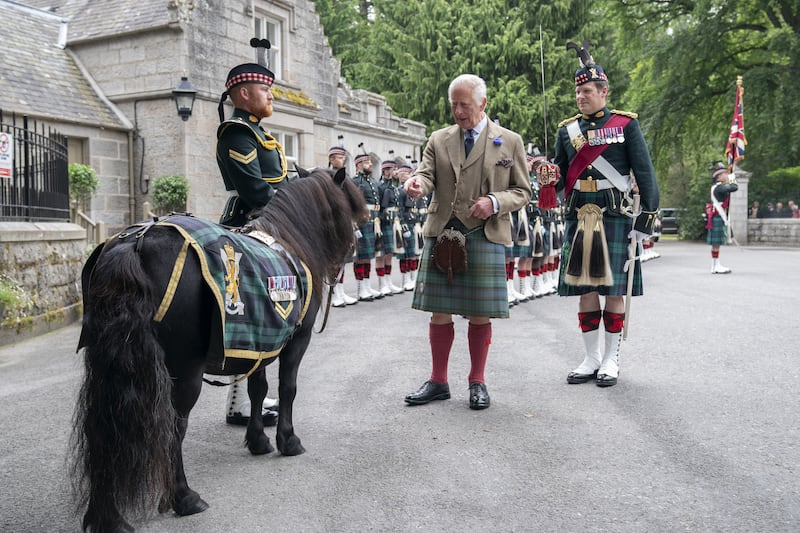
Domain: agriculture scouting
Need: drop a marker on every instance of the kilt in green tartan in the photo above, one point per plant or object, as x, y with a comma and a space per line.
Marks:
408, 244
616, 230
717, 235
519, 250
365, 245
388, 236
480, 291
547, 239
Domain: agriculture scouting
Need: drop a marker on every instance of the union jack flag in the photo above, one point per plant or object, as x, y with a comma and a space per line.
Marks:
736, 140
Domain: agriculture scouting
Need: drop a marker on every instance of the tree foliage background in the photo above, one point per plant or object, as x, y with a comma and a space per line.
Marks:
675, 63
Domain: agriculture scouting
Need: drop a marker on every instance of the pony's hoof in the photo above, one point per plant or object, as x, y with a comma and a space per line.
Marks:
291, 446
190, 504
260, 446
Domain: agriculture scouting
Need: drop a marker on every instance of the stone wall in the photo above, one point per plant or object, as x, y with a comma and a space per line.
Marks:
46, 260
774, 231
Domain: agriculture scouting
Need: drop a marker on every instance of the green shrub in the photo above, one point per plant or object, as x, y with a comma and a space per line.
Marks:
11, 294
169, 193
83, 182
780, 185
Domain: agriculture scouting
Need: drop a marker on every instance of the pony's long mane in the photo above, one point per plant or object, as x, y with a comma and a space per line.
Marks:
313, 218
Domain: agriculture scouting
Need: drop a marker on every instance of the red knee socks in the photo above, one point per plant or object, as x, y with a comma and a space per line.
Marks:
441, 338
479, 337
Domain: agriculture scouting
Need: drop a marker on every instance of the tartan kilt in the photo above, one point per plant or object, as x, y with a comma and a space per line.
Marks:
547, 240
365, 245
717, 235
388, 236
408, 246
480, 291
521, 250
616, 230
517, 249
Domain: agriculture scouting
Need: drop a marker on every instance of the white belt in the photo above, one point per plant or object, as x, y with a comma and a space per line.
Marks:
592, 185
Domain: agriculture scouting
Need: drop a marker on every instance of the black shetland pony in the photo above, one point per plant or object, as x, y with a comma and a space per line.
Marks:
144, 376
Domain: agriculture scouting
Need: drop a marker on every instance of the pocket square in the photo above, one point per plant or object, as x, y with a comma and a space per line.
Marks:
508, 163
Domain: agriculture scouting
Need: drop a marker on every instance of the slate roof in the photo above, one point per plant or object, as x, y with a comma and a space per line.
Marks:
91, 19
38, 77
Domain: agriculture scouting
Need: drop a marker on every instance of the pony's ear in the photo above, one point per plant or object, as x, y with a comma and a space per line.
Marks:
301, 172
340, 176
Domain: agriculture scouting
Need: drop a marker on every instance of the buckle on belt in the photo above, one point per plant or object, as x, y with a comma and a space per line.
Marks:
587, 185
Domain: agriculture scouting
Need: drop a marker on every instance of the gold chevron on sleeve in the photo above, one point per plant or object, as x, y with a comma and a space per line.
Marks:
244, 159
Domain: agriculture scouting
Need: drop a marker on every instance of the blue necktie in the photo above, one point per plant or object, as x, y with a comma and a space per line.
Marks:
469, 141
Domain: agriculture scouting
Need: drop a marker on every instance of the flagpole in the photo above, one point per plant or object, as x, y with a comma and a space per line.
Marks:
738, 99
732, 151
544, 94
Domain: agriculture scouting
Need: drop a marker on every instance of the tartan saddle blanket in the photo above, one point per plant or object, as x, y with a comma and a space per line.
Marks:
261, 292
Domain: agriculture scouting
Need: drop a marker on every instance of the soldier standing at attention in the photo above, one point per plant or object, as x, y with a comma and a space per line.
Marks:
336, 160
365, 244
525, 263
253, 166
390, 228
598, 152
412, 215
722, 185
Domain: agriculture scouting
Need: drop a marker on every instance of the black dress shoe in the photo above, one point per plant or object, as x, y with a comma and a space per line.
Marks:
429, 391
604, 380
574, 377
478, 396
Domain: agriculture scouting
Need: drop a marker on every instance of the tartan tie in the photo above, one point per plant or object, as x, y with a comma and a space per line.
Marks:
469, 141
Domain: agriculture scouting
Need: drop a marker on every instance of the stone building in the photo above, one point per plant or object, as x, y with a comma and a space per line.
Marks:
102, 72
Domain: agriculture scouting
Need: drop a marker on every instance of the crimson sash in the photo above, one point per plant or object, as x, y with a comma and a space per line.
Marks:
587, 154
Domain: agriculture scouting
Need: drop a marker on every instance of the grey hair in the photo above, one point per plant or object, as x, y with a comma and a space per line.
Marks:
472, 81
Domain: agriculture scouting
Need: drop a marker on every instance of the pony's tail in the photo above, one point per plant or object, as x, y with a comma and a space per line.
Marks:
124, 433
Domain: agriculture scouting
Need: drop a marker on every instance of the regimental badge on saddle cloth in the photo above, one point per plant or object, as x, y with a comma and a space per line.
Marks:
281, 289
230, 263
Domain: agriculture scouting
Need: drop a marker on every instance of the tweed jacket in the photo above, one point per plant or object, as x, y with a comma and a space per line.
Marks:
496, 165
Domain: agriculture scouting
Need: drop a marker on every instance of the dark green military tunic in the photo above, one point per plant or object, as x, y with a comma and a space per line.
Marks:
412, 217
390, 211
627, 152
717, 230
366, 243
252, 163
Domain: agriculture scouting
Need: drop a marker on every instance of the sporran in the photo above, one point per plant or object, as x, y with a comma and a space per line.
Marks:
450, 253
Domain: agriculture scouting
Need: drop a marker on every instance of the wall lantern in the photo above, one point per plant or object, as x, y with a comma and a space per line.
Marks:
184, 95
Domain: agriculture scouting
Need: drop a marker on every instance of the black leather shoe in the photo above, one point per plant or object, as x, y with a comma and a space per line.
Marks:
269, 416
429, 391
478, 396
604, 380
574, 377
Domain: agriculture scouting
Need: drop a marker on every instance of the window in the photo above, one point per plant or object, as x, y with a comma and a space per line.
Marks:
272, 29
290, 146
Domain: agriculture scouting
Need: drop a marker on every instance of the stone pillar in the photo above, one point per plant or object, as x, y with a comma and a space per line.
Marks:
738, 208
